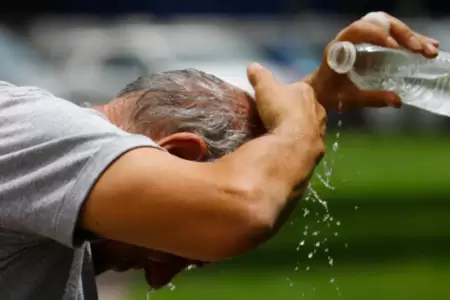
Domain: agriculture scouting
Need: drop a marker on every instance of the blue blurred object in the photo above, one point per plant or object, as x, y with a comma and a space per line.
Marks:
303, 59
21, 65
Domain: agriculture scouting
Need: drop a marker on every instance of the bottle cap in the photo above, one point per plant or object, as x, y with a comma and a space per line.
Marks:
341, 57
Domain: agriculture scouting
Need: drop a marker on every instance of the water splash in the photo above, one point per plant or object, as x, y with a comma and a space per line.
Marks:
330, 261
316, 197
317, 211
289, 280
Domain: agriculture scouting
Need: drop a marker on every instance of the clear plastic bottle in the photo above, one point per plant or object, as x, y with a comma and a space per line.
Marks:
419, 81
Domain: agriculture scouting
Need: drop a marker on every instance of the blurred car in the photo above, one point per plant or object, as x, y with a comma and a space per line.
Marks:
22, 65
96, 62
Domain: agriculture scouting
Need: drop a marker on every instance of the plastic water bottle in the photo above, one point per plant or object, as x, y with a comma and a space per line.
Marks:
419, 81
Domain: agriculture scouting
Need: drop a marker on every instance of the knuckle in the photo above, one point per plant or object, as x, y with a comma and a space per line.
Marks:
385, 14
355, 28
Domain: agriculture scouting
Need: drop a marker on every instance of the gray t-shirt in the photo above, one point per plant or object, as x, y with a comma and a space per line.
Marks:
51, 154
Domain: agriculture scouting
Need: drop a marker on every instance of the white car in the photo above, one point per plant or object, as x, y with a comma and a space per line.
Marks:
101, 61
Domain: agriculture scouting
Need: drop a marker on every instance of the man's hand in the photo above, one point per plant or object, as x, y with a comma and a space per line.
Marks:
290, 105
159, 268
335, 91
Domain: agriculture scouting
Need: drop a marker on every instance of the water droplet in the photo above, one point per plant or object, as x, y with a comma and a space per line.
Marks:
325, 218
315, 233
171, 286
336, 234
308, 268
317, 244
338, 223
332, 280
297, 249
296, 269
356, 207
310, 255
338, 134
305, 232
330, 261
302, 243
339, 123
305, 212
335, 146
325, 182
326, 250
317, 197
191, 267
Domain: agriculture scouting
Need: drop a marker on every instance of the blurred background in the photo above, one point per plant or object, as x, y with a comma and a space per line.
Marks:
386, 234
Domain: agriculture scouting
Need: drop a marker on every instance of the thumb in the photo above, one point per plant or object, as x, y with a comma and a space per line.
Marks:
260, 77
380, 99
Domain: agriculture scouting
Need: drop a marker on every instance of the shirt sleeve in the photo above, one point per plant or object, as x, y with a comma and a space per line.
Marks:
51, 154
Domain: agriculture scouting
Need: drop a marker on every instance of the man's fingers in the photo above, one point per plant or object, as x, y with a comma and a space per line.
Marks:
385, 30
404, 35
411, 40
430, 46
260, 77
159, 274
363, 31
378, 18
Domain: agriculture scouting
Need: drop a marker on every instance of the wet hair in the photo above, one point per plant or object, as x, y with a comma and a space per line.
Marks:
192, 101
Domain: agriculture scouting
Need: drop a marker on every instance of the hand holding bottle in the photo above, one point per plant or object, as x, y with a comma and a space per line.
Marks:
336, 91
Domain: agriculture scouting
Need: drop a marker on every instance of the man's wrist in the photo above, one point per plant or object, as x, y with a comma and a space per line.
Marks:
301, 138
314, 81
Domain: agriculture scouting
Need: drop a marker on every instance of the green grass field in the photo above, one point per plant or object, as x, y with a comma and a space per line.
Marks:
413, 280
398, 237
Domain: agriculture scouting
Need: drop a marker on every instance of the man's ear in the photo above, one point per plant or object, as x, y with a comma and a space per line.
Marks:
185, 145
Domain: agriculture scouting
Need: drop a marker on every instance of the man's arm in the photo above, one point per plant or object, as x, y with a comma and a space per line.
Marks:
204, 211
211, 211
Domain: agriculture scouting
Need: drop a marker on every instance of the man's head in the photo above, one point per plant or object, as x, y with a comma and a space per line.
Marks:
192, 114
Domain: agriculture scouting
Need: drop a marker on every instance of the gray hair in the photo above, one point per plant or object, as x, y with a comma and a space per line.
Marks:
189, 101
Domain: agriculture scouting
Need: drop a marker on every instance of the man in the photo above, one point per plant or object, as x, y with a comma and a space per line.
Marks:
180, 168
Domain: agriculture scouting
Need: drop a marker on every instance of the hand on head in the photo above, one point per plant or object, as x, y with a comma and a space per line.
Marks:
335, 91
281, 104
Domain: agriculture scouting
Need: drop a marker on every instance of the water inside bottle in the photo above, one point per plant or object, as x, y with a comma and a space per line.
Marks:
420, 82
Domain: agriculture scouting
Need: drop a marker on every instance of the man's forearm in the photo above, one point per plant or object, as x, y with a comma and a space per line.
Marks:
276, 164
202, 211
